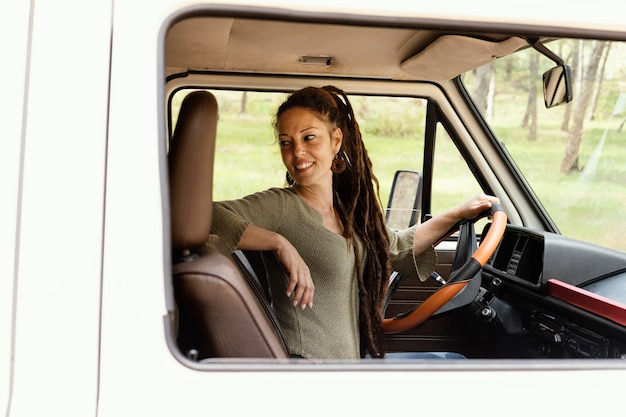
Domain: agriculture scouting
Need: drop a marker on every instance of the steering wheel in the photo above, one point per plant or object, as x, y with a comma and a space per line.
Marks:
464, 281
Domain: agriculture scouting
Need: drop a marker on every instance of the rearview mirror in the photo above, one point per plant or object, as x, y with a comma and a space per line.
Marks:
404, 200
557, 86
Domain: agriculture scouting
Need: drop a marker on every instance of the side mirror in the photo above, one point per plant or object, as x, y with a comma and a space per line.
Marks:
404, 200
557, 86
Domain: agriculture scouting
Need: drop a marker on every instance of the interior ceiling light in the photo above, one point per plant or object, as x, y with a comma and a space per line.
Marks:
323, 60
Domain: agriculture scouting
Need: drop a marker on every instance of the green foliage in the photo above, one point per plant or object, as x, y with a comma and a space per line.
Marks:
247, 158
390, 117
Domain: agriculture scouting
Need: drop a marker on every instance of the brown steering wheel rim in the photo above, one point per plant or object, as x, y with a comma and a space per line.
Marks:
444, 294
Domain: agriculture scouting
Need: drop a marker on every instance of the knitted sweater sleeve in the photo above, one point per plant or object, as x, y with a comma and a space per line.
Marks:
231, 218
404, 261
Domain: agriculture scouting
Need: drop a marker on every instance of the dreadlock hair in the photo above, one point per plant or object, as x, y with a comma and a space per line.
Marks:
357, 201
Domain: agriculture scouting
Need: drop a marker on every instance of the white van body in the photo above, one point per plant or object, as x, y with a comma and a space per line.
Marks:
83, 307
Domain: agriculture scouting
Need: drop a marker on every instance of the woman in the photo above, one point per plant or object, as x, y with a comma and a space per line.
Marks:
328, 231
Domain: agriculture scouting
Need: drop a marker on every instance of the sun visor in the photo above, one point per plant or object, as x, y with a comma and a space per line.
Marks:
451, 55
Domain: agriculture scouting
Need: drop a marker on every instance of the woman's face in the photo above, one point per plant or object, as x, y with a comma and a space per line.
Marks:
308, 145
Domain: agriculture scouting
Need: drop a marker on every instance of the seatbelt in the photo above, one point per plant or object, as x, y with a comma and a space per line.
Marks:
255, 284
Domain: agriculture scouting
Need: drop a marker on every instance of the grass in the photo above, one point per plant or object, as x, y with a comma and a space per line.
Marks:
589, 204
247, 158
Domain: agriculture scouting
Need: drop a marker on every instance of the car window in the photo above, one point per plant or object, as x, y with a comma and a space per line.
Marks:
573, 156
393, 131
453, 182
247, 158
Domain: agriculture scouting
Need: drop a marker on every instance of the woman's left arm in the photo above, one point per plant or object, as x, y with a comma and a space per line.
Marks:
428, 233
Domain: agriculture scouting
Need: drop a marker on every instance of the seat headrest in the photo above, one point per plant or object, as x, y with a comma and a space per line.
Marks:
190, 162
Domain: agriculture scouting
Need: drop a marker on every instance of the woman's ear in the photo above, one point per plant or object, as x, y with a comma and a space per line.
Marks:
337, 139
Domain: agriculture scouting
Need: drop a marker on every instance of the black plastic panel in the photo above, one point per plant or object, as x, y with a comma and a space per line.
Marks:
532, 257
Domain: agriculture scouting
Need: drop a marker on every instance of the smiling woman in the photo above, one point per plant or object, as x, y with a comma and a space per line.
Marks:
308, 146
332, 188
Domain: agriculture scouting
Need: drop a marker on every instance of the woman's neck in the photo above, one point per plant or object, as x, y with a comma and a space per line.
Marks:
318, 197
321, 201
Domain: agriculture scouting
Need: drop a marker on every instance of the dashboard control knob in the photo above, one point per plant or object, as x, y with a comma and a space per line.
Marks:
487, 313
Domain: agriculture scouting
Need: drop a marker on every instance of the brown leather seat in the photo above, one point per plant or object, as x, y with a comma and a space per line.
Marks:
219, 314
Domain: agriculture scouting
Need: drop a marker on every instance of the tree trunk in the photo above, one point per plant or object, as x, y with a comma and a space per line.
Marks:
576, 64
244, 103
572, 148
482, 89
598, 88
530, 118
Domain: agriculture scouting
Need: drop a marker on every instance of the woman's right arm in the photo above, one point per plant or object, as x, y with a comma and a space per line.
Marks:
248, 224
300, 282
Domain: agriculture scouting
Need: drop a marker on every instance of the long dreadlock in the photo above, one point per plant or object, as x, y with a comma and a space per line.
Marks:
358, 203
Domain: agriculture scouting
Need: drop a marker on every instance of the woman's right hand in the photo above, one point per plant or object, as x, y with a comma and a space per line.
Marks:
300, 287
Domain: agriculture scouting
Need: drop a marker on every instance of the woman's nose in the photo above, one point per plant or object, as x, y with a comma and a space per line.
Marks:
299, 148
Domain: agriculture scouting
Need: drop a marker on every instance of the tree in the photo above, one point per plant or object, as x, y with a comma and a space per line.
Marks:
572, 148
596, 93
483, 90
530, 118
576, 65
244, 102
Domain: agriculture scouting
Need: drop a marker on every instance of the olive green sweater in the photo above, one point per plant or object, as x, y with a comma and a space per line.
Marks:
329, 329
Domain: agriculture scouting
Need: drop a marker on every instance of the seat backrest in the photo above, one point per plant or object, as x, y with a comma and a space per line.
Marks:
219, 314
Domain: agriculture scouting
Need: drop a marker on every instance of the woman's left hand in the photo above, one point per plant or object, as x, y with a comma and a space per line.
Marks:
475, 205
430, 232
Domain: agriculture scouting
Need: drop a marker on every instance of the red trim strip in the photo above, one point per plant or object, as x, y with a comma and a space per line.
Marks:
589, 301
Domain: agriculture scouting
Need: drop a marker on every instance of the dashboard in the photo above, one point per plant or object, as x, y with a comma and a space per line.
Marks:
571, 295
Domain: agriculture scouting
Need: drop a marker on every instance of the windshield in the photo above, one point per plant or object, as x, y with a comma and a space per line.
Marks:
574, 155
